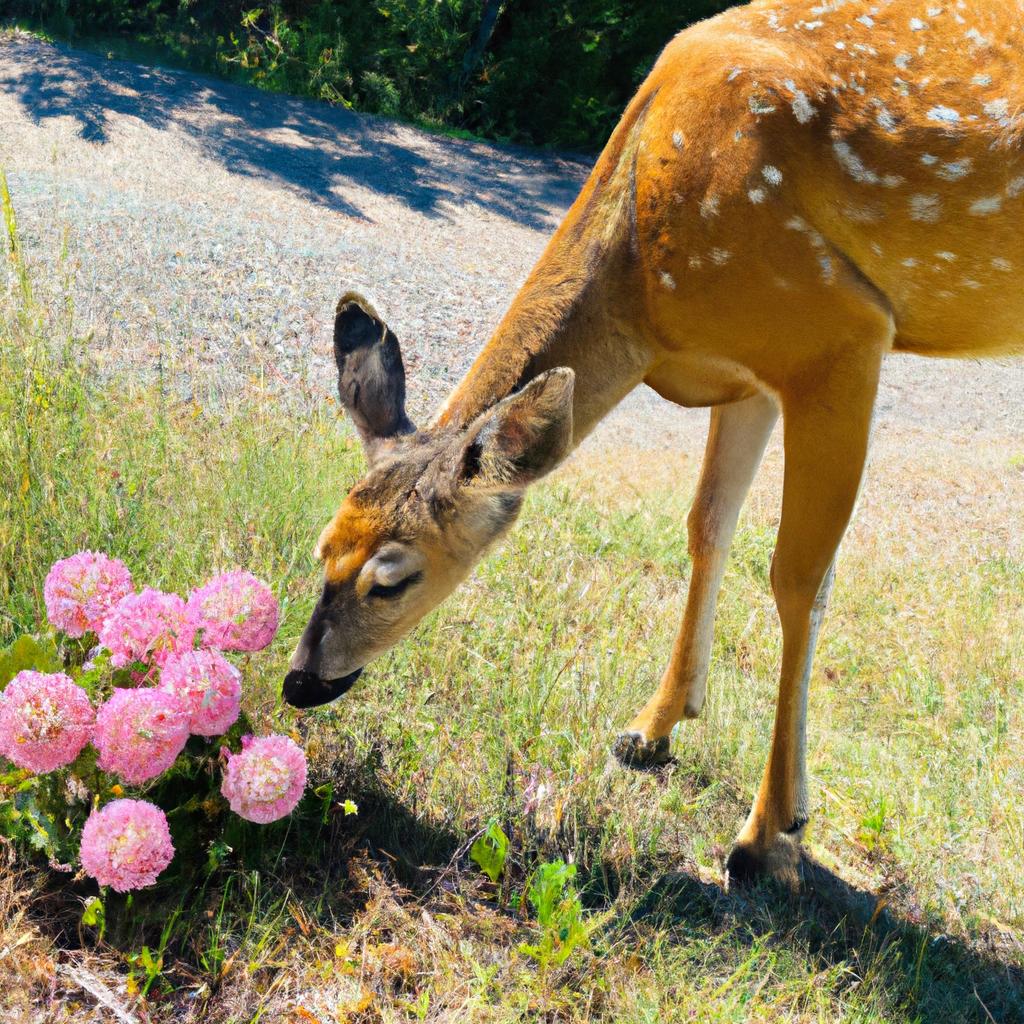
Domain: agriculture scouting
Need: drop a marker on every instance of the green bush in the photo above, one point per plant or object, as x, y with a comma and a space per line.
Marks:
530, 71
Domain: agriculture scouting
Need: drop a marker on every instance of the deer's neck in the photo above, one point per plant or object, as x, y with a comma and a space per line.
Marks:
565, 313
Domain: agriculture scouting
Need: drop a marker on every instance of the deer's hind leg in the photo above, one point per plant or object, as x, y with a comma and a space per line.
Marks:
825, 442
736, 443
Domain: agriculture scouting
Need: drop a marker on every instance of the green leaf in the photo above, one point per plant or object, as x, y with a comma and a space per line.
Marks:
490, 851
93, 914
38, 654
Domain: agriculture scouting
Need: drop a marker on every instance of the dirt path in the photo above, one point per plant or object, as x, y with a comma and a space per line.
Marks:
212, 227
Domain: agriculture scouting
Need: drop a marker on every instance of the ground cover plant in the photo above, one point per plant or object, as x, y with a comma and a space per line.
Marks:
468, 852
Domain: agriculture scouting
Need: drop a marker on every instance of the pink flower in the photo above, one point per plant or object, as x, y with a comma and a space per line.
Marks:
126, 844
208, 685
81, 590
45, 720
139, 733
150, 626
265, 781
236, 611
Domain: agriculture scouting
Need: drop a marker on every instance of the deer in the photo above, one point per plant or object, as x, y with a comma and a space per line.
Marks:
796, 190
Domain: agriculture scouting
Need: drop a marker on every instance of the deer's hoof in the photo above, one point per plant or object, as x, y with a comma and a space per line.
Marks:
747, 864
633, 751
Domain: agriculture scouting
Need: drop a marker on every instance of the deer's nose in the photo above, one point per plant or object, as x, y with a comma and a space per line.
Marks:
303, 689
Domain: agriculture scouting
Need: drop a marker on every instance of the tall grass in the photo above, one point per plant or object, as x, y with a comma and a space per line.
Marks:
515, 687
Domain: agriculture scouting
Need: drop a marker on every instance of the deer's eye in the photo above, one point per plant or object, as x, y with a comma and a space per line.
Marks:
395, 589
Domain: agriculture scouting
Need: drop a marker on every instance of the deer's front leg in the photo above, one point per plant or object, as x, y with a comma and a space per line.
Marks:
736, 443
826, 441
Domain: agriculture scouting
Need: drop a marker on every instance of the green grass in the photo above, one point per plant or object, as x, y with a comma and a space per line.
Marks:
526, 674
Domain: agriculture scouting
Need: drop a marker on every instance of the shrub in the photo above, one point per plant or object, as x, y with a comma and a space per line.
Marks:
152, 688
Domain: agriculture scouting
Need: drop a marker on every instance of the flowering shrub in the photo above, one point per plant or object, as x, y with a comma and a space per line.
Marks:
154, 705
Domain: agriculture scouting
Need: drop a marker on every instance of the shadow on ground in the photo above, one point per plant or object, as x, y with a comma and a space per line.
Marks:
933, 978
324, 154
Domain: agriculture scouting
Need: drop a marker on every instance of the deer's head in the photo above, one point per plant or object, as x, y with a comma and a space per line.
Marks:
431, 503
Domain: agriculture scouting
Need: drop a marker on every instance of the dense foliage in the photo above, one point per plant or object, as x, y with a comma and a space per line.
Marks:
555, 72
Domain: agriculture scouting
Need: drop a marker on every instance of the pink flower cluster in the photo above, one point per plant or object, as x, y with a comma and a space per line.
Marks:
140, 733
265, 781
45, 721
126, 844
150, 626
81, 591
235, 611
209, 687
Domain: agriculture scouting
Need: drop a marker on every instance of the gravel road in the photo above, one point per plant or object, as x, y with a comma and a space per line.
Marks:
212, 226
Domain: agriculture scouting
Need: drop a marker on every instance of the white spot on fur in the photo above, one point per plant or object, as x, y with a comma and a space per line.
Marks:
925, 207
668, 281
928, 159
809, 25
840, 45
866, 19
949, 257
695, 263
760, 106
998, 110
916, 25
803, 109
982, 80
1015, 186
720, 256
756, 195
910, 262
976, 37
999, 263
947, 115
709, 207
677, 139
735, 73
986, 205
885, 120
956, 169
771, 174
969, 282
901, 60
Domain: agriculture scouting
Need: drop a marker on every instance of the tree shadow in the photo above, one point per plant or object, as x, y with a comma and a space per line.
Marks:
327, 155
932, 977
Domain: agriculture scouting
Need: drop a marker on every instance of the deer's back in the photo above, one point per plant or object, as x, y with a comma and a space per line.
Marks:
791, 148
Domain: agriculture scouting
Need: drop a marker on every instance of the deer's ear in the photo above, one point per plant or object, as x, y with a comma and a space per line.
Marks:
371, 377
523, 437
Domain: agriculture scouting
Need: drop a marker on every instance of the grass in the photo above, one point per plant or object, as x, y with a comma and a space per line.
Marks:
913, 904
